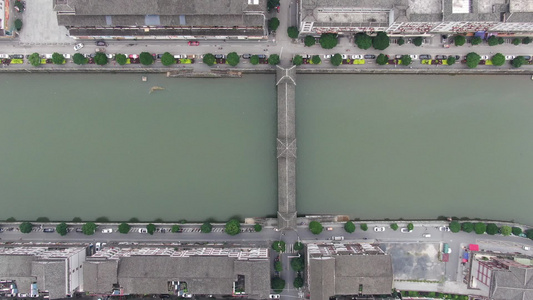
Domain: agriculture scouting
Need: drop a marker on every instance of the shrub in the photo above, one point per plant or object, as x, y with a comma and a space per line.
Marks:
381, 41
292, 32
25, 227
233, 59
455, 226
349, 227
394, 226
309, 41
298, 246
328, 40
297, 60
492, 40
278, 246
124, 228
273, 59
206, 227
364, 227
518, 61
410, 226
459, 40
175, 228
18, 24
298, 282
517, 41
315, 227
277, 284
526, 40
500, 40
298, 264
233, 227
467, 227
401, 41
120, 58
254, 60
450, 60
273, 24
476, 40
363, 40
258, 227
417, 41
336, 59
278, 266
480, 228
516, 230
209, 59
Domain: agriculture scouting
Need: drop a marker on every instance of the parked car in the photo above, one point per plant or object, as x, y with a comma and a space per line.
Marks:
370, 56
441, 56
444, 228
527, 57
4, 56
101, 44
527, 248
327, 56
344, 56
99, 50
143, 230
98, 246
357, 56
79, 230
509, 57
46, 56
262, 56
17, 56
193, 43
220, 56
484, 57
405, 230
379, 229
66, 56
398, 56
110, 55
413, 56
274, 296
49, 230
424, 56
132, 56
457, 57
107, 230
78, 46
246, 56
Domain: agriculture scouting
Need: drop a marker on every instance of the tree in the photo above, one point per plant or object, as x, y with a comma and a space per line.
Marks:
363, 40
58, 58
292, 32
498, 59
529, 234
501, 40
455, 226
278, 266
309, 41
516, 41
406, 60
467, 227
11, 219
35, 59
206, 227
273, 24
298, 282
315, 227
100, 59
480, 228
258, 227
62, 228
278, 246
349, 227
76, 219
167, 59
233, 59
273, 59
254, 60
516, 231
79, 59
450, 60
150, 228
382, 59
394, 226
271, 4
298, 264
410, 227
146, 58
518, 61
459, 40
364, 227
120, 58
25, 227
297, 60
88, 228
401, 41
336, 59
492, 229
209, 59
417, 41
134, 220
124, 228
298, 246
381, 41
476, 40
42, 219
492, 40
328, 40
19, 5
102, 219
506, 230
233, 227
175, 229
18, 24
277, 284
472, 59
316, 59
526, 40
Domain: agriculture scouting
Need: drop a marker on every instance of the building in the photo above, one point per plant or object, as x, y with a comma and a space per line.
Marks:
347, 269
210, 271
163, 19
55, 271
416, 17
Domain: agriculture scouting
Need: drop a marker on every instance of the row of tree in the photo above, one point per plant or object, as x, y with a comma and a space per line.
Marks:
380, 41
233, 59
101, 59
489, 228
460, 40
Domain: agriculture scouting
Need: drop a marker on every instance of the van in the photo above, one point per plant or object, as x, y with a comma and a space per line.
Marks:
338, 238
426, 235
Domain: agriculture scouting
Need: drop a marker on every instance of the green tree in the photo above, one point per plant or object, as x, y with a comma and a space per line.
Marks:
480, 228
102, 219
298, 264
410, 227
382, 59
258, 227
18, 24
417, 41
298, 282
381, 41
309, 41
233, 59
328, 40
19, 5
364, 226
124, 228
505, 230
278, 266
492, 229
88, 228
62, 228
516, 231
292, 32
277, 284
455, 226
467, 227
476, 40
42, 219
254, 59
517, 41
120, 58
167, 59
518, 61
472, 59
401, 41
25, 227
316, 59
529, 234
278, 246
406, 60
233, 227
150, 228
175, 229
76, 219
492, 40
79, 59
394, 226
451, 60
58, 58
206, 227
526, 40
35, 59
315, 227
271, 4
459, 40
209, 59
100, 59
298, 246
349, 227
273, 59
134, 220
146, 58
363, 40
336, 59
273, 24
297, 60
498, 59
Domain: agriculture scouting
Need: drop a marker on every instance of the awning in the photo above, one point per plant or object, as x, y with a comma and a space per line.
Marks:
473, 247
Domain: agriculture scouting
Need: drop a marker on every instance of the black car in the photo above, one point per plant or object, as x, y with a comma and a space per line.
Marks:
101, 43
370, 56
424, 56
49, 230
441, 56
159, 56
457, 57
219, 56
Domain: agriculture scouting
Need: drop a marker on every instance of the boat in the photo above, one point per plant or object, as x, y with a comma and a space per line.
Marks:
144, 78
155, 88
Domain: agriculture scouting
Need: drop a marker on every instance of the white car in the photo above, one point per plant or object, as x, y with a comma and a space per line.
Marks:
107, 230
509, 57
78, 46
66, 56
444, 228
143, 230
405, 230
4, 56
426, 235
110, 55
357, 56
327, 56
484, 57
274, 296
379, 229
98, 246
413, 56
344, 56
47, 56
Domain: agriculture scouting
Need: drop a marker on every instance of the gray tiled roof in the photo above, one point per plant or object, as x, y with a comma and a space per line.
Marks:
322, 278
51, 276
99, 275
515, 284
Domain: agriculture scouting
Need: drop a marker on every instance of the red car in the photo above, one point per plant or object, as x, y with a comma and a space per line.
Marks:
194, 43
